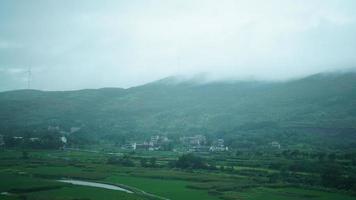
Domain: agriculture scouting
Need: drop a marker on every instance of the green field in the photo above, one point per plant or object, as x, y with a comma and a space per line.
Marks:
172, 189
35, 178
288, 193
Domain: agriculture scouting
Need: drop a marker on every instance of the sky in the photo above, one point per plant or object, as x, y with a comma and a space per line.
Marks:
70, 45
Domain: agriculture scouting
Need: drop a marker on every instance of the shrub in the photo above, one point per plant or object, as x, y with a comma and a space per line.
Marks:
123, 161
190, 161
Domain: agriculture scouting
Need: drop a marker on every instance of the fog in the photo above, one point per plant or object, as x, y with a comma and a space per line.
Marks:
91, 44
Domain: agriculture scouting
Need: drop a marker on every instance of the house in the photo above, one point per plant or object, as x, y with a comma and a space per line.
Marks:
74, 129
143, 146
199, 149
275, 144
53, 128
196, 143
129, 146
154, 140
164, 139
216, 149
197, 140
218, 145
34, 139
155, 143
63, 140
220, 142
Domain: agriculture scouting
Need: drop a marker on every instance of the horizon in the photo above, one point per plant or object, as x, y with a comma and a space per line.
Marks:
199, 79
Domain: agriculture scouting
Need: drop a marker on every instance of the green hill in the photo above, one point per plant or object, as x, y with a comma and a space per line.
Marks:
315, 111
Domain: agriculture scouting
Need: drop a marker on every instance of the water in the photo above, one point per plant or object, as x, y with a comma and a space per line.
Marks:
94, 184
6, 194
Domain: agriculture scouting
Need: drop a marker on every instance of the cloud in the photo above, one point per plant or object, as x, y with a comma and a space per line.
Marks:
9, 45
13, 71
88, 44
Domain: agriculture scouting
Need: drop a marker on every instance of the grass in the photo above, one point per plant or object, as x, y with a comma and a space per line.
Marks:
172, 189
34, 178
80, 192
26, 186
15, 183
289, 193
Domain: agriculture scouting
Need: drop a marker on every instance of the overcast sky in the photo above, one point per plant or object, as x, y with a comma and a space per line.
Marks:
91, 44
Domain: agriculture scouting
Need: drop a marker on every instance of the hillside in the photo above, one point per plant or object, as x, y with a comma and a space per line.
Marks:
322, 105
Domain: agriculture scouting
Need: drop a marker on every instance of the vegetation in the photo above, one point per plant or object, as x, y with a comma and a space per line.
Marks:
190, 161
123, 161
287, 140
35, 178
315, 112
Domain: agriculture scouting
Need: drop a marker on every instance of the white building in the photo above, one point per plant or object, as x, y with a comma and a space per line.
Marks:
196, 140
219, 146
64, 139
215, 148
276, 144
34, 139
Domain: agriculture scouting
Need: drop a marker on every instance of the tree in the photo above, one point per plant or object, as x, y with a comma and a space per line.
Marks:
332, 176
24, 155
11, 142
332, 156
123, 161
190, 161
143, 162
51, 141
153, 161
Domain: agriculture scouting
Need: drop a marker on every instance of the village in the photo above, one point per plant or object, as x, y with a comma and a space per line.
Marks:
196, 143
57, 138
34, 142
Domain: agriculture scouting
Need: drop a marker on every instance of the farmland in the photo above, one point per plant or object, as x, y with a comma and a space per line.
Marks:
35, 177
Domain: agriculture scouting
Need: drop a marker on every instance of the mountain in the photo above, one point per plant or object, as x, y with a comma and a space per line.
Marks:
295, 112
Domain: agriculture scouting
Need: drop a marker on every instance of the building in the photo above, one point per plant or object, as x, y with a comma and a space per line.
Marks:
34, 139
196, 143
74, 129
158, 142
197, 140
64, 140
218, 145
143, 146
154, 140
216, 149
129, 146
275, 144
220, 142
155, 143
199, 149
53, 128
164, 139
